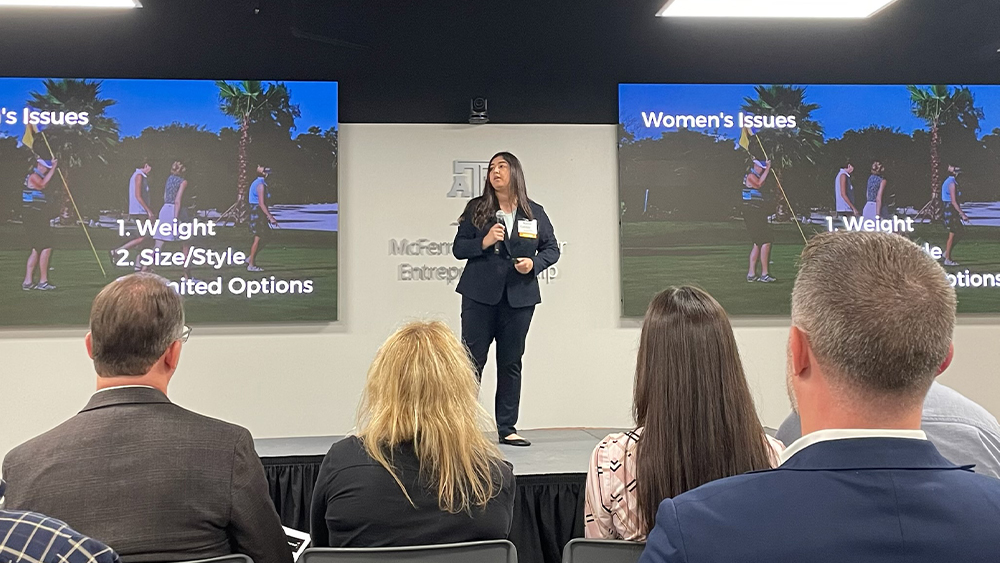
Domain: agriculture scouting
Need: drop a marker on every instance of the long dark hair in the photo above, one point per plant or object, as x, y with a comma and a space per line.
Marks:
692, 401
485, 207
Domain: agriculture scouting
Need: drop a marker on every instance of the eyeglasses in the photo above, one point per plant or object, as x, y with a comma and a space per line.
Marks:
185, 333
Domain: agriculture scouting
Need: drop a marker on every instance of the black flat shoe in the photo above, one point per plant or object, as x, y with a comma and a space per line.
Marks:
515, 442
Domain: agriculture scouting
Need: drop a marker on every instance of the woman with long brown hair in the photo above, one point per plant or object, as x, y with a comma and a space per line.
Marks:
420, 469
694, 414
506, 240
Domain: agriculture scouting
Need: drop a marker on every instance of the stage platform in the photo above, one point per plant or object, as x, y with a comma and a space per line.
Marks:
551, 476
553, 450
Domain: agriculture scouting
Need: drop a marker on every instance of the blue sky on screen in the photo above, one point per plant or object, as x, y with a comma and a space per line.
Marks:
154, 103
842, 107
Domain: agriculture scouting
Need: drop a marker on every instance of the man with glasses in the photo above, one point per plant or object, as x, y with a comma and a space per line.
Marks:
132, 469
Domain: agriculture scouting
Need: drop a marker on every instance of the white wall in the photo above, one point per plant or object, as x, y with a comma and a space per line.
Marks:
301, 381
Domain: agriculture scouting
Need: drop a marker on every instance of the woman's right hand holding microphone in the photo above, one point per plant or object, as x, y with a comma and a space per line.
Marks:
493, 236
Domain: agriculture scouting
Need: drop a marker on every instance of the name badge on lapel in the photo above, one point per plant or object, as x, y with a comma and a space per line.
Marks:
527, 228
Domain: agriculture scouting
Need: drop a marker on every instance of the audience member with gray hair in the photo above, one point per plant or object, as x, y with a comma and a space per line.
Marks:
962, 430
872, 323
139, 473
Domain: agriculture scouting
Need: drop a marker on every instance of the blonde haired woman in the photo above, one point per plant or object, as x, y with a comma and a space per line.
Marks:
420, 469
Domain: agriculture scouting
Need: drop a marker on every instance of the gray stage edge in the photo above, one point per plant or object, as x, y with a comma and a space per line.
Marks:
553, 450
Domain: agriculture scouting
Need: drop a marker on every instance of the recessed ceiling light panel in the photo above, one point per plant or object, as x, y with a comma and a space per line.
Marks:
772, 8
72, 3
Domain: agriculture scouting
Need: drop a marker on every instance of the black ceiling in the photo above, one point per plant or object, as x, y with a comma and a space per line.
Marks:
548, 61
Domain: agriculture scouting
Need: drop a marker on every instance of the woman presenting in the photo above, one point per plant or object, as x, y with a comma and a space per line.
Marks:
507, 240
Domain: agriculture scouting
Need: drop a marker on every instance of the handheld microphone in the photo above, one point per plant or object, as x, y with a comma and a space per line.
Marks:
496, 246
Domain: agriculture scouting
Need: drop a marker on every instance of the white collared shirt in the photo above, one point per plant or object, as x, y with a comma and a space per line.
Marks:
124, 387
843, 434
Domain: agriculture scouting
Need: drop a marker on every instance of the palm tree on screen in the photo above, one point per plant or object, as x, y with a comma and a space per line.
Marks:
938, 105
791, 147
251, 102
787, 148
76, 144
83, 149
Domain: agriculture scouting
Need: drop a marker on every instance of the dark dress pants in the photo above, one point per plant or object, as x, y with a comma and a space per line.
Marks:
481, 325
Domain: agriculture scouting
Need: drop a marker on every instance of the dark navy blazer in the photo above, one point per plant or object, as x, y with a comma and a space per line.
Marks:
488, 273
872, 500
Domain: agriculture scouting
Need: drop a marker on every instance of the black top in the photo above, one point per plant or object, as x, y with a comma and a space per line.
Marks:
487, 273
357, 503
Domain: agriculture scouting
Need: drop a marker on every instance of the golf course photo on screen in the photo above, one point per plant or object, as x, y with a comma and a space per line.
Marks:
720, 185
227, 189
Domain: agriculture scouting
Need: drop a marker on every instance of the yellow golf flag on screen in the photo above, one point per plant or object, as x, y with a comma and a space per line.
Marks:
28, 139
745, 138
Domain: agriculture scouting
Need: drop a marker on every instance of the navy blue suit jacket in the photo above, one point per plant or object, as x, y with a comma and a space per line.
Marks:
872, 500
488, 273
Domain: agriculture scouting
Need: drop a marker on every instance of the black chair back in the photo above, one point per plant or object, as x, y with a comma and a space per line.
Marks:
234, 558
602, 551
495, 551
